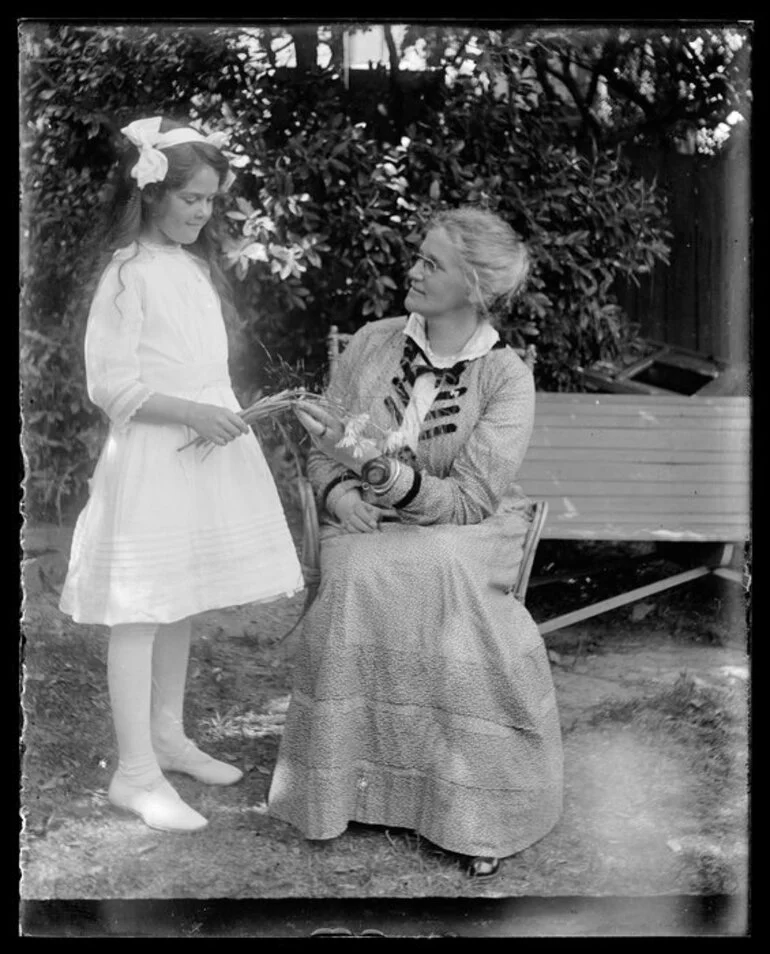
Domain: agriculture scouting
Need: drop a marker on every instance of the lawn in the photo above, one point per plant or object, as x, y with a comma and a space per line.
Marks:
654, 715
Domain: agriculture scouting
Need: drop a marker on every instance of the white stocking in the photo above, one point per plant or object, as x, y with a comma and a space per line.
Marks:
138, 785
129, 677
175, 752
169, 676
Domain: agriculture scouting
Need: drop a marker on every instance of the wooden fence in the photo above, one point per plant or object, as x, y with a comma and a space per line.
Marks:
701, 301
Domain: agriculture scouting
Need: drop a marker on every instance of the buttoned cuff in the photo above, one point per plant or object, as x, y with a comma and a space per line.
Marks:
404, 490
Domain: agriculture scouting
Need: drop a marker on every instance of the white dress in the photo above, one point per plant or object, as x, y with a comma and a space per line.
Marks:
166, 535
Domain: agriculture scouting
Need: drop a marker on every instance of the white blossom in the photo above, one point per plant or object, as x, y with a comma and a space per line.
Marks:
394, 441
363, 445
355, 424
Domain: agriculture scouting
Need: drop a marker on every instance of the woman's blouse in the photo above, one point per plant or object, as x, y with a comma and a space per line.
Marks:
471, 439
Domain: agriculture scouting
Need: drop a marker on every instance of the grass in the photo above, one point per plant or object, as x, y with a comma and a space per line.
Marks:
667, 764
709, 725
685, 709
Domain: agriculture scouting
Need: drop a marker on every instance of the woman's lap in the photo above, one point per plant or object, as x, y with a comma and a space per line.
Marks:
420, 676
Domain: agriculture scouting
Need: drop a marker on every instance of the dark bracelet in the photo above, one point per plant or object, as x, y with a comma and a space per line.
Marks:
347, 475
412, 492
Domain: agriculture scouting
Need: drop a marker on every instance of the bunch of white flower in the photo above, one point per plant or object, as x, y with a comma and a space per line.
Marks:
353, 437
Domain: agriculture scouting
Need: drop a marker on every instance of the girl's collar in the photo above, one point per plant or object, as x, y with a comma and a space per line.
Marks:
160, 246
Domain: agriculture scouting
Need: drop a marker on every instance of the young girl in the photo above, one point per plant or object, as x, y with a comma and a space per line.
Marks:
167, 535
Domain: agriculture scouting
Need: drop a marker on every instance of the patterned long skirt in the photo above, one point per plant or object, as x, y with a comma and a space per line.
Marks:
422, 694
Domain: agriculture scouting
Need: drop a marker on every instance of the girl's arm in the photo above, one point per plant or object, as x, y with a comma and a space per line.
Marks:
112, 340
217, 424
112, 366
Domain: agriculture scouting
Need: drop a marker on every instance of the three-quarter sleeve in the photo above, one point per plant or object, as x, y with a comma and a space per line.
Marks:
111, 345
485, 469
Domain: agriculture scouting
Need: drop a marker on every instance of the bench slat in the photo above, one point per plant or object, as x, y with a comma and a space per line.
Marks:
648, 519
659, 404
659, 490
661, 455
720, 473
640, 502
678, 439
641, 415
642, 530
631, 467
633, 535
587, 418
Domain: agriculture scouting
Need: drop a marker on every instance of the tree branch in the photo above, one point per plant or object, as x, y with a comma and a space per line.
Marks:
627, 89
540, 61
393, 55
570, 83
267, 44
593, 85
617, 83
458, 57
336, 45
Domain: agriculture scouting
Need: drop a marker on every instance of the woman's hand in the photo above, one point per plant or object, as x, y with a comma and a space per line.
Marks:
327, 429
320, 424
357, 516
217, 424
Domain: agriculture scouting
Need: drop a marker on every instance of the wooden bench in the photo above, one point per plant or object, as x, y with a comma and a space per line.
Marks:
642, 468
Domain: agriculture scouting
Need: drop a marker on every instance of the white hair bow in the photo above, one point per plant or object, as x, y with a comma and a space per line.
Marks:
152, 164
217, 139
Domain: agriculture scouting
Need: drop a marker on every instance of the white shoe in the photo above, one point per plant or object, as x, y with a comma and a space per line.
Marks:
158, 805
191, 761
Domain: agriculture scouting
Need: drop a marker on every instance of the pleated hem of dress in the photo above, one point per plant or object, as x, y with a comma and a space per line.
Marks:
171, 616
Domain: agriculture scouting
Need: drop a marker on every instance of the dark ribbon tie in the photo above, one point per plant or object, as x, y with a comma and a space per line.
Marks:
444, 376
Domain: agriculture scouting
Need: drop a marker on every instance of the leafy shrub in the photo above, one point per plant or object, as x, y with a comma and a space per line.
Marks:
333, 216
323, 219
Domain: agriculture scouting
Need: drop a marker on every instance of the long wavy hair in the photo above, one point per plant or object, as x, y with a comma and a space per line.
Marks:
128, 209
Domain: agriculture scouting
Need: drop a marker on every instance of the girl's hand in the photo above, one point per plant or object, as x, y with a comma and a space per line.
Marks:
217, 424
357, 516
326, 430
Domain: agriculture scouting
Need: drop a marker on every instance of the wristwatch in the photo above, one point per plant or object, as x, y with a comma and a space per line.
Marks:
376, 472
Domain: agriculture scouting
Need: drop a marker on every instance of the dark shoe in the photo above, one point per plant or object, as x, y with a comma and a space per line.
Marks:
482, 869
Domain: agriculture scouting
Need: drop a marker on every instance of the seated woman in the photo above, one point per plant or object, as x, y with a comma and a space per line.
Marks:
422, 694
